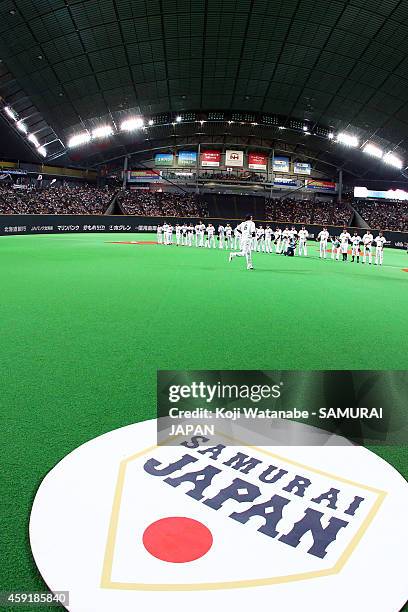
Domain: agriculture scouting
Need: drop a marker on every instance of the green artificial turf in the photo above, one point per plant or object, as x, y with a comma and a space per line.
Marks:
86, 324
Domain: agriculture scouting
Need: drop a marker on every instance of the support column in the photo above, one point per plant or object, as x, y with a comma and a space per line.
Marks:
340, 186
125, 169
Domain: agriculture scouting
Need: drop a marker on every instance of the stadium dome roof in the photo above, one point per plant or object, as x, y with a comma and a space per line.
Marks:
337, 65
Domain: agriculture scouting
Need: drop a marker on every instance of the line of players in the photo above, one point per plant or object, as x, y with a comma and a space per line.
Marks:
201, 235
287, 241
359, 245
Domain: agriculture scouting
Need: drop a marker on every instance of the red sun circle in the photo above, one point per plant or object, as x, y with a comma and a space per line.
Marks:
177, 539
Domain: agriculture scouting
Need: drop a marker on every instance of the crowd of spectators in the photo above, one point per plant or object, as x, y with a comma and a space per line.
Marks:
307, 211
384, 215
234, 176
162, 203
81, 200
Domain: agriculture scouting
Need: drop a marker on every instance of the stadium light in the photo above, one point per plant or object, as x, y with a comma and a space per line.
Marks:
178, 119
33, 139
102, 132
22, 127
42, 151
347, 139
79, 139
135, 123
371, 149
393, 160
9, 111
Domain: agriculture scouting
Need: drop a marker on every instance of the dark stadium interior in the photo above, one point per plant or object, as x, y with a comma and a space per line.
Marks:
66, 64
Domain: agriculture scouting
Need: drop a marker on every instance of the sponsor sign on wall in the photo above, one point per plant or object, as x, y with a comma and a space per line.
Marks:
257, 161
280, 181
281, 164
163, 159
187, 158
210, 159
301, 168
234, 158
143, 176
321, 185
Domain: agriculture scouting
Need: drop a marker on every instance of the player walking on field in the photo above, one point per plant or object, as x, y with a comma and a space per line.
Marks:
367, 246
247, 230
379, 249
355, 247
303, 235
323, 237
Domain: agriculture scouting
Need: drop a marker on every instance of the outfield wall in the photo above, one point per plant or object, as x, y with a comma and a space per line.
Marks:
12, 225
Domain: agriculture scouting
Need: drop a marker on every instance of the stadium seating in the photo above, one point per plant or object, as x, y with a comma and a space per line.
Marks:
82, 200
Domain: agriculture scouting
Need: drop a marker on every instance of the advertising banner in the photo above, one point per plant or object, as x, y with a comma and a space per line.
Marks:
143, 176
321, 185
281, 164
301, 168
234, 158
257, 161
163, 159
286, 181
187, 158
210, 159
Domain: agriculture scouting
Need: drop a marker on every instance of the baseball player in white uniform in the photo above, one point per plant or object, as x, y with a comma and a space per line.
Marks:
228, 236
160, 234
379, 248
211, 236
221, 231
178, 234
165, 233
303, 235
169, 234
355, 247
237, 240
323, 237
190, 234
285, 239
247, 230
367, 246
260, 239
335, 250
268, 239
344, 242
278, 240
